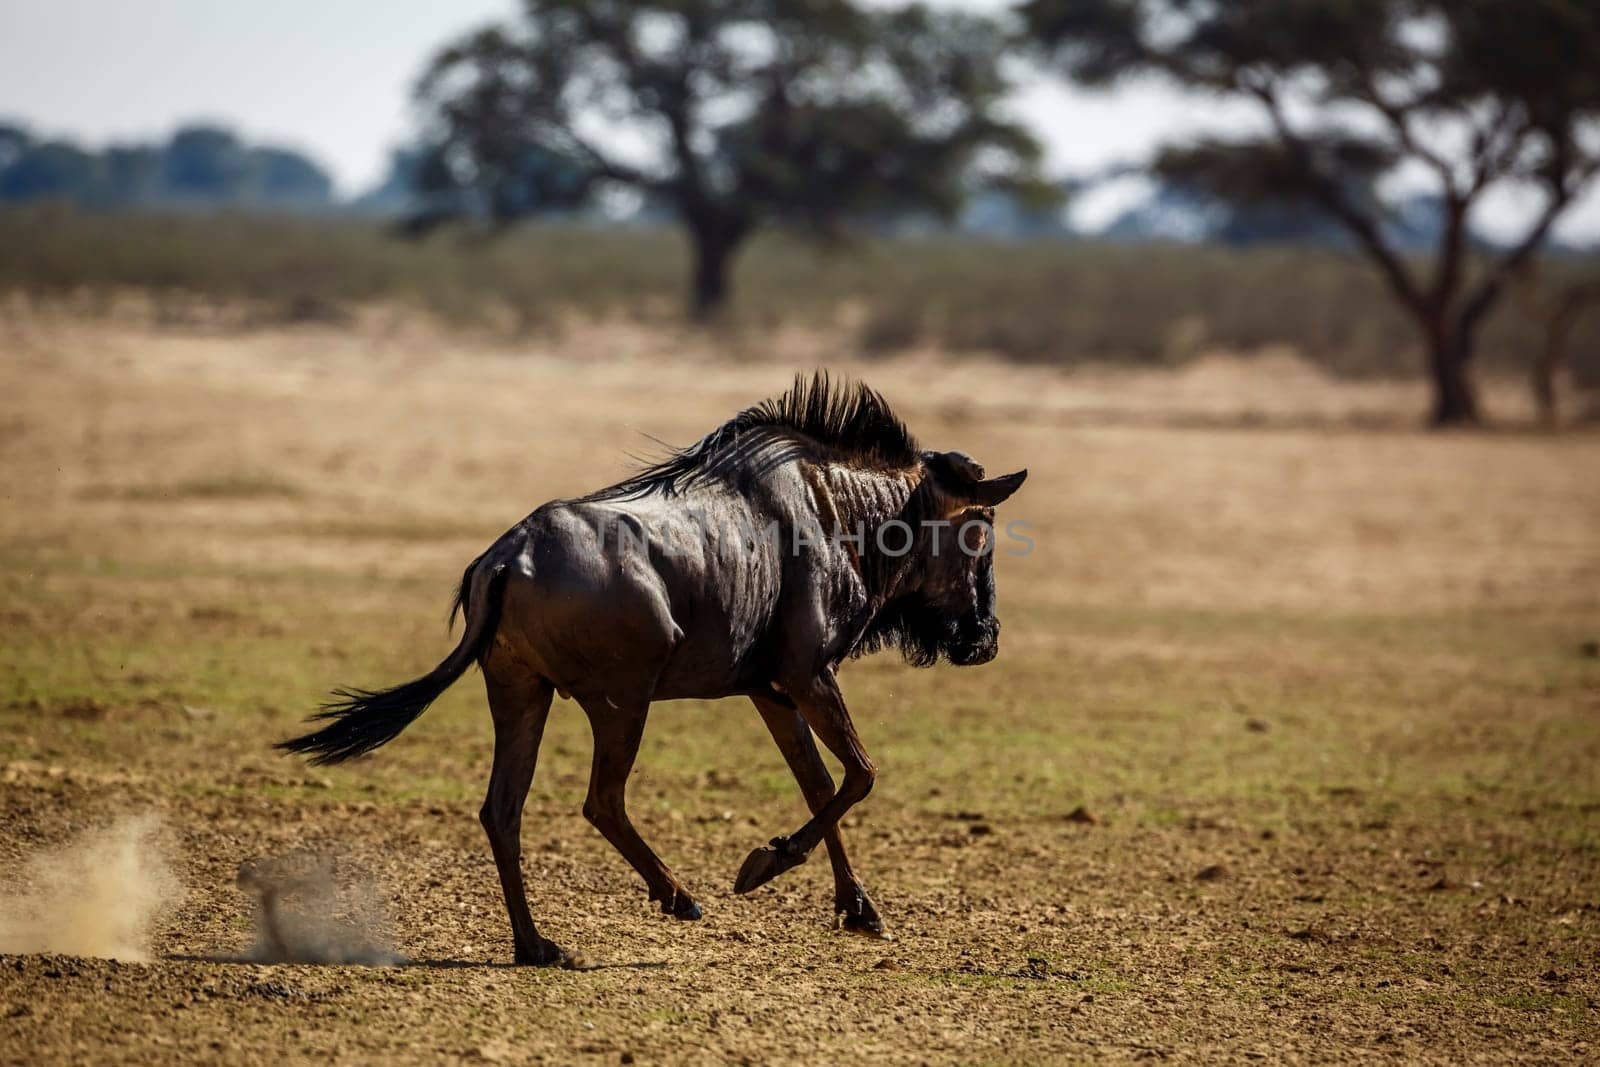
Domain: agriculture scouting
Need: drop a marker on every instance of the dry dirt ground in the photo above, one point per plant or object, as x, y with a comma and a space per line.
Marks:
1290, 753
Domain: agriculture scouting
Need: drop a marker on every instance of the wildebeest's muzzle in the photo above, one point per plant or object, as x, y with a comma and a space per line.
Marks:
975, 636
976, 640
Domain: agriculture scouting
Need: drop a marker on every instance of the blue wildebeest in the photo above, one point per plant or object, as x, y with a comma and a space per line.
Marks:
806, 530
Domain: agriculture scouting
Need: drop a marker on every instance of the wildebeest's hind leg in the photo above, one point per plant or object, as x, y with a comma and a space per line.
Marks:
618, 730
519, 709
788, 728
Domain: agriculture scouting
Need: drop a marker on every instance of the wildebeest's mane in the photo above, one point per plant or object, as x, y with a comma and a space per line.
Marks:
850, 421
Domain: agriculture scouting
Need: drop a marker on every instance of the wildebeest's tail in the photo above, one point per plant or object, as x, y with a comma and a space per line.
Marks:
359, 721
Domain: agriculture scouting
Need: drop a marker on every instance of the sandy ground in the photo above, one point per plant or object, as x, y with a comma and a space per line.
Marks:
1290, 752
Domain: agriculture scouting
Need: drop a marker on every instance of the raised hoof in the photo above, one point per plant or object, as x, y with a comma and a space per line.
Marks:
544, 954
765, 864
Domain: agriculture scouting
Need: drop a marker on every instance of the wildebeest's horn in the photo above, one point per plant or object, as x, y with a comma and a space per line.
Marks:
991, 492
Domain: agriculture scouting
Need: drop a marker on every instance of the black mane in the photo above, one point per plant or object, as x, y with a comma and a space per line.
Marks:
848, 419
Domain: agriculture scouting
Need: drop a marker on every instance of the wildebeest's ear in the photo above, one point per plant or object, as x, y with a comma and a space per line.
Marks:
988, 493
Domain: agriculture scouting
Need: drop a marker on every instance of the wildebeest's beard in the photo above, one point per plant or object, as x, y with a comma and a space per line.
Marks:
925, 634
910, 624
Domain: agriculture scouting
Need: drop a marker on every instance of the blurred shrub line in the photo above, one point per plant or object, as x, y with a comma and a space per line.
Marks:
1044, 301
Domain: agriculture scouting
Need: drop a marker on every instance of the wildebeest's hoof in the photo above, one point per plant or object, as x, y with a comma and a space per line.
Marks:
856, 915
863, 926
681, 906
766, 863
543, 954
677, 903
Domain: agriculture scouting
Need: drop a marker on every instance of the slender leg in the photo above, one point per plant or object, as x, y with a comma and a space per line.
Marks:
519, 711
788, 728
617, 732
822, 706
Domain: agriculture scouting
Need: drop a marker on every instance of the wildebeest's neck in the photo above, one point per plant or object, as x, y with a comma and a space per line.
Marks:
860, 504
851, 496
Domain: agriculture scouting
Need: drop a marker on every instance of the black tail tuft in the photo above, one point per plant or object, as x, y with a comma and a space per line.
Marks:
359, 721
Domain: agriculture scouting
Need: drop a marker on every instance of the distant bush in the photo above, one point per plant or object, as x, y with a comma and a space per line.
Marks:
198, 166
1044, 301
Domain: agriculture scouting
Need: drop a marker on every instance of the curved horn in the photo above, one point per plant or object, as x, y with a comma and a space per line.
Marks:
993, 491
962, 477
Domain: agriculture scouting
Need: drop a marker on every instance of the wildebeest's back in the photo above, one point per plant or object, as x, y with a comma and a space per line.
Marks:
650, 597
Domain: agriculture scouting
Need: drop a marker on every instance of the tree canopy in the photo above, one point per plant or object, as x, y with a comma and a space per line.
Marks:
199, 166
736, 113
1471, 94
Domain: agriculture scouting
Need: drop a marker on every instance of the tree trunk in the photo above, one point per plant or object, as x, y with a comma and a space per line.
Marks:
1455, 401
1545, 369
713, 255
1558, 328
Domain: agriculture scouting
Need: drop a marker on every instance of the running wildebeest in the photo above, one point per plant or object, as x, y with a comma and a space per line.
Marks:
807, 530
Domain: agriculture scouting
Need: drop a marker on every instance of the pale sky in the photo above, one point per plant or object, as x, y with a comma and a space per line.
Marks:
333, 78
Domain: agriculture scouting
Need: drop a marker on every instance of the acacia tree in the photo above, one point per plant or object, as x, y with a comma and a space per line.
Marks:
1474, 94
734, 113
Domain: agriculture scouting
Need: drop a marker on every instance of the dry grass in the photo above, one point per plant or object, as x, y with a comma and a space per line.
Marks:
1268, 629
1046, 301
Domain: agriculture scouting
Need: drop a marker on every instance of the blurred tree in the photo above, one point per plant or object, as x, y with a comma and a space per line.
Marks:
400, 192
419, 192
738, 113
1557, 305
199, 165
279, 177
14, 141
1478, 94
132, 176
204, 163
48, 169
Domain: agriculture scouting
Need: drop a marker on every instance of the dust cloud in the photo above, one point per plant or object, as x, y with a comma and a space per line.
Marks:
316, 909
99, 895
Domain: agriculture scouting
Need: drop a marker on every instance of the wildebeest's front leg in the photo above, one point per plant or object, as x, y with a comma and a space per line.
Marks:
822, 706
618, 730
519, 709
789, 730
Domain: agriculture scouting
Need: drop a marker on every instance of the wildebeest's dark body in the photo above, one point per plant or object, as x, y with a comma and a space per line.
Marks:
733, 567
